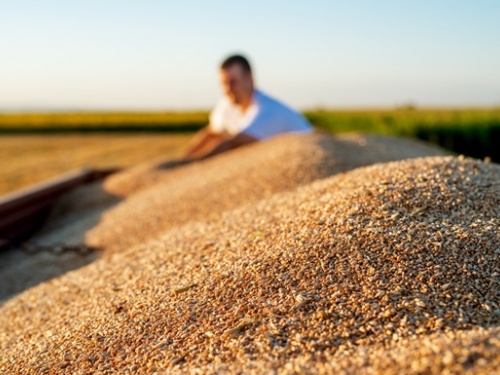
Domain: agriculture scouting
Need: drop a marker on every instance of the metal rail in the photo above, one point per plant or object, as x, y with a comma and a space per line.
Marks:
24, 211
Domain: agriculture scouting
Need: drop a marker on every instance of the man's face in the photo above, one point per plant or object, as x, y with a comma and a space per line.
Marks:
237, 84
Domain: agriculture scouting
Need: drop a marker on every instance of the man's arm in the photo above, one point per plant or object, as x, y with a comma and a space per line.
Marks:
207, 143
200, 140
230, 143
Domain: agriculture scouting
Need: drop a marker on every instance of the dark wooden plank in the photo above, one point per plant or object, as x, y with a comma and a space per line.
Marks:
24, 211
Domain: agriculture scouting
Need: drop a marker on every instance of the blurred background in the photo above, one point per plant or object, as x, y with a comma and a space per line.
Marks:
113, 83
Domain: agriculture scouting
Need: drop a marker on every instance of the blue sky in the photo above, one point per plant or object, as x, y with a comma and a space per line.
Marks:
160, 55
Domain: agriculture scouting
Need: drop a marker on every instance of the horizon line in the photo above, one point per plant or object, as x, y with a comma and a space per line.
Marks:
319, 108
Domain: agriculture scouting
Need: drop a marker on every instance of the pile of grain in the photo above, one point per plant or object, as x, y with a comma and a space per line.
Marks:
453, 352
402, 256
197, 192
204, 190
345, 151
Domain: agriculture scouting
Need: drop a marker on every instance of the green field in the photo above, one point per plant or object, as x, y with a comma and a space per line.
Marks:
472, 132
15, 123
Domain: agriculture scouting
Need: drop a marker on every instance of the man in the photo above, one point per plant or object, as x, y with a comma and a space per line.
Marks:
244, 115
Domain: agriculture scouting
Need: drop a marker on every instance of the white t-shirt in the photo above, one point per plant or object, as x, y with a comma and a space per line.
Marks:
264, 118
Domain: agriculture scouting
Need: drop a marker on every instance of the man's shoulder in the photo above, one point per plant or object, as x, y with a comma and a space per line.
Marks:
265, 99
270, 104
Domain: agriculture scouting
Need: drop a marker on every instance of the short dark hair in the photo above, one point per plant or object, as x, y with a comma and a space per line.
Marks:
237, 59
